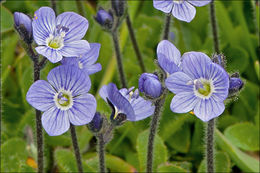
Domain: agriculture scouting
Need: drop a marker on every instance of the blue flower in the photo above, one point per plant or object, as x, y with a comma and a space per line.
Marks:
150, 85
87, 61
201, 86
23, 24
169, 57
127, 102
61, 36
181, 9
64, 99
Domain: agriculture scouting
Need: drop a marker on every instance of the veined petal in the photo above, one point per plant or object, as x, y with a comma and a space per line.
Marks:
179, 82
43, 24
195, 65
91, 69
92, 55
83, 110
51, 54
71, 78
70, 61
75, 48
199, 3
169, 56
55, 121
76, 24
184, 11
163, 5
40, 95
207, 109
183, 102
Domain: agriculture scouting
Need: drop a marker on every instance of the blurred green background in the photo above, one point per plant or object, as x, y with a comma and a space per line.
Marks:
179, 146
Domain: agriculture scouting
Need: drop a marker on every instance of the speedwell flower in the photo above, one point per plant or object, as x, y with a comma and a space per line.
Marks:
181, 9
61, 36
126, 102
202, 86
169, 57
87, 61
64, 99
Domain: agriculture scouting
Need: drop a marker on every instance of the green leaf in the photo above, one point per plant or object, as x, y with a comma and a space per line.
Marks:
6, 20
159, 153
67, 163
222, 163
241, 159
168, 167
244, 136
55, 141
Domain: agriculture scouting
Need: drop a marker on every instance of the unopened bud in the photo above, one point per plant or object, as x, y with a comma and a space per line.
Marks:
219, 59
23, 24
118, 6
235, 85
104, 18
150, 85
96, 124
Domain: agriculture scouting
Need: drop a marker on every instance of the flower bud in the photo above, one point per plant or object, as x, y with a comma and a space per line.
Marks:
96, 124
235, 85
104, 18
118, 6
23, 24
219, 59
118, 120
150, 85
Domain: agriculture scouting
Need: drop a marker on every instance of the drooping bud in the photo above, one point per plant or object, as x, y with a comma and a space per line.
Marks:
150, 85
118, 6
219, 59
23, 24
96, 124
235, 85
104, 18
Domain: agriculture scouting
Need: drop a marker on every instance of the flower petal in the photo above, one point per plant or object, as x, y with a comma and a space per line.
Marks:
184, 11
199, 3
76, 24
55, 121
207, 109
91, 69
92, 55
43, 24
51, 54
178, 82
220, 80
83, 110
70, 78
165, 5
183, 102
40, 95
75, 48
195, 64
169, 56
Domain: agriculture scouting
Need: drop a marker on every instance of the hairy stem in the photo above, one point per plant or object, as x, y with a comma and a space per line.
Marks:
80, 7
76, 148
119, 58
210, 146
214, 26
167, 27
153, 130
53, 6
134, 42
101, 153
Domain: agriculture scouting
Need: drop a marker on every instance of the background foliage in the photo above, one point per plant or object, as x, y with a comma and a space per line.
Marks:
179, 144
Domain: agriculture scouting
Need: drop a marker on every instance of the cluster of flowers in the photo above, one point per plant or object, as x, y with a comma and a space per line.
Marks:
200, 84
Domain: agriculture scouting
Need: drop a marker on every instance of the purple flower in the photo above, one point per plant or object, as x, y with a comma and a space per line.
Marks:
87, 61
23, 24
169, 57
127, 102
181, 9
202, 86
150, 85
59, 36
104, 18
64, 99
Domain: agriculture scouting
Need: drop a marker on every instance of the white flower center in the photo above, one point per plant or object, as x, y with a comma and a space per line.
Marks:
203, 88
55, 42
178, 1
63, 99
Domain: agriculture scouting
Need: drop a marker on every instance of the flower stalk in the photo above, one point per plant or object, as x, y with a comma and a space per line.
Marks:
210, 146
135, 44
214, 26
80, 7
76, 148
167, 26
53, 6
101, 153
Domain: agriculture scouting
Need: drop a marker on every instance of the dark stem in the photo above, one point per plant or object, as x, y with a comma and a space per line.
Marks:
80, 7
43, 62
119, 58
76, 148
101, 153
134, 42
153, 130
210, 146
167, 27
214, 26
53, 6
107, 135
38, 118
